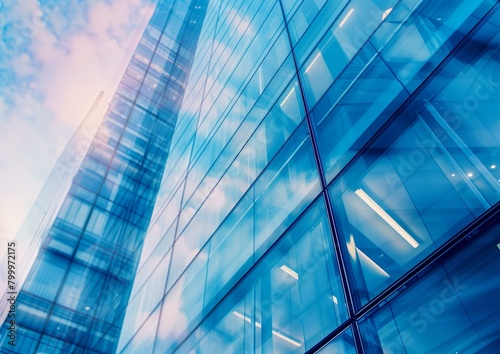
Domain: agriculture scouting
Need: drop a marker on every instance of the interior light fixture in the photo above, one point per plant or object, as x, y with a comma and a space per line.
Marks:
290, 272
243, 317
276, 333
335, 300
387, 218
351, 247
288, 339
346, 17
372, 263
470, 174
313, 61
247, 319
386, 13
498, 245
287, 97
493, 167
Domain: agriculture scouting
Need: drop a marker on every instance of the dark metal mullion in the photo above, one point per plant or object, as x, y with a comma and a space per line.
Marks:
339, 255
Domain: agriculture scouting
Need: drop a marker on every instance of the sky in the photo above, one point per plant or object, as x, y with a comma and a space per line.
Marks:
56, 56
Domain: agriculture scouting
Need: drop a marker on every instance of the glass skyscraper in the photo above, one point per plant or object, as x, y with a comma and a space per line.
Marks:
285, 176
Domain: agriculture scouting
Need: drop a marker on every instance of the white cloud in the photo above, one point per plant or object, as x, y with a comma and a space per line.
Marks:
60, 71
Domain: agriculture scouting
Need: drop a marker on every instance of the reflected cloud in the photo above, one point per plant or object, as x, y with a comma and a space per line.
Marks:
55, 60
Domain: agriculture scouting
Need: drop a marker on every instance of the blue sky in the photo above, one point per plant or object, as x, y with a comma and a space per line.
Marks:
56, 56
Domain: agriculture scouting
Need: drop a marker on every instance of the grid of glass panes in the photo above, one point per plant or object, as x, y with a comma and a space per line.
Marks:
324, 150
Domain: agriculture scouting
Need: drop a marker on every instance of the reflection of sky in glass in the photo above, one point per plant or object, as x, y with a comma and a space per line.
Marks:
56, 58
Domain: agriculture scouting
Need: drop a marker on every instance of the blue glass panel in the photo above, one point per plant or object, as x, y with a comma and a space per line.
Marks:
426, 37
287, 303
433, 171
343, 343
364, 106
45, 282
453, 309
350, 31
143, 340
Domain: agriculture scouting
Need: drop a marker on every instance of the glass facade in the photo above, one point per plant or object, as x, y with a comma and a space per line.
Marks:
325, 178
75, 294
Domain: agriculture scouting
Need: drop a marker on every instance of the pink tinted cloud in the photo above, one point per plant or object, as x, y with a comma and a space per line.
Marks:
66, 73
74, 71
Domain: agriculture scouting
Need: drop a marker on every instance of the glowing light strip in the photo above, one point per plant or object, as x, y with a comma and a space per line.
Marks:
287, 96
372, 263
247, 319
386, 13
243, 317
387, 218
346, 17
276, 333
290, 272
335, 300
314, 60
289, 340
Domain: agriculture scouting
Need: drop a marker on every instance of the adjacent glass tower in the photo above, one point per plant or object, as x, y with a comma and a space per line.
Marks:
74, 297
332, 185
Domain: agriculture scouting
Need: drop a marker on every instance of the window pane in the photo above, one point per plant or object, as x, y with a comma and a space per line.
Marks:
287, 303
344, 343
347, 35
454, 309
430, 174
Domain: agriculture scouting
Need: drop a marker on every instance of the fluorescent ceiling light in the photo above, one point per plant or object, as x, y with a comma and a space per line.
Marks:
346, 17
243, 317
312, 63
335, 300
247, 319
287, 96
372, 264
387, 218
351, 247
276, 333
289, 340
290, 272
386, 13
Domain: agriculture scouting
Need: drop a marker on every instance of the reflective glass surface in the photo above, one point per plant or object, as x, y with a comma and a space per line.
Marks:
285, 176
431, 173
452, 309
286, 303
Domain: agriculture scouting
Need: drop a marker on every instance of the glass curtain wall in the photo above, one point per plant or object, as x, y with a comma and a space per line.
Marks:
325, 153
332, 185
